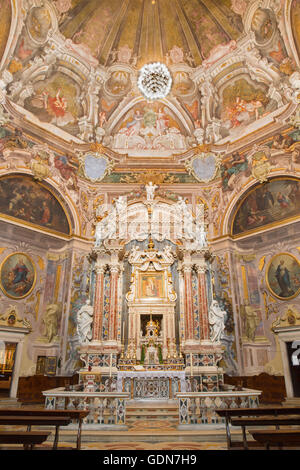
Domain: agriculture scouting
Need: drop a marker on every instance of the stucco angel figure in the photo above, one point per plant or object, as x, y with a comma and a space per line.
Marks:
150, 190
84, 322
216, 318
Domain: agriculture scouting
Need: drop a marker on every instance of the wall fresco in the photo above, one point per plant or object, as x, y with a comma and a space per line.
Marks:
275, 201
23, 198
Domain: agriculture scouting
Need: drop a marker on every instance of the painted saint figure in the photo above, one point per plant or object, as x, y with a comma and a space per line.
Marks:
20, 272
151, 288
283, 278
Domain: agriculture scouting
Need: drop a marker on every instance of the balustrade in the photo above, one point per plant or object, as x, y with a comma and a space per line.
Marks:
200, 407
104, 408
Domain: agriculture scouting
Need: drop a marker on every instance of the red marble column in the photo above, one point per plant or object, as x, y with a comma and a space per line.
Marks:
188, 303
98, 304
113, 310
203, 307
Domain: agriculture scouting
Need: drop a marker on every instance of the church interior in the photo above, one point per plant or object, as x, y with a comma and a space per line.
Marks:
149, 215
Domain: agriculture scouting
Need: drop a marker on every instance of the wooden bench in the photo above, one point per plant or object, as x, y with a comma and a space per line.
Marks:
274, 411
27, 439
278, 437
77, 415
286, 420
29, 421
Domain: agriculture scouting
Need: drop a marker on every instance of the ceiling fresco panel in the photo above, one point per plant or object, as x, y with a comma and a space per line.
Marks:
5, 21
295, 20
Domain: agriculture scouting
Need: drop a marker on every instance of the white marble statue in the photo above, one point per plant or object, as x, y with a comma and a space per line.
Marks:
150, 190
201, 236
187, 222
84, 322
216, 318
99, 233
106, 227
121, 204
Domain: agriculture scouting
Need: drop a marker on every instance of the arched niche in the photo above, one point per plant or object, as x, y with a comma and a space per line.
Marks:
266, 205
34, 204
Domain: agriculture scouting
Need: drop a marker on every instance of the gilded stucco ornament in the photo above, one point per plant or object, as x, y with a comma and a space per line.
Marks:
204, 166
260, 164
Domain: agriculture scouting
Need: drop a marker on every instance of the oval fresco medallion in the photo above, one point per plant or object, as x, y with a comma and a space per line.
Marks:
283, 276
17, 275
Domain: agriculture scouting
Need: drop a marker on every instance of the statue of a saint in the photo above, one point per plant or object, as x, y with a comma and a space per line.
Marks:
201, 236
84, 322
121, 204
187, 221
216, 317
99, 232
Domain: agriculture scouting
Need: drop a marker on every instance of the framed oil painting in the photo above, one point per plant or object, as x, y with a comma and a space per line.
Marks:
50, 365
17, 275
283, 276
40, 365
151, 286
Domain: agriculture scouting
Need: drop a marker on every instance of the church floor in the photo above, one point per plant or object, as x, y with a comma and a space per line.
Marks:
151, 429
143, 437
154, 428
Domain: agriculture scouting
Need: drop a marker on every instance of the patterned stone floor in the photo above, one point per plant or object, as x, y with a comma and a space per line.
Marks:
145, 436
147, 430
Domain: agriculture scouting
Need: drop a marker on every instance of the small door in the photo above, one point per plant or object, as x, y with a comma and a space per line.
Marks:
7, 361
294, 370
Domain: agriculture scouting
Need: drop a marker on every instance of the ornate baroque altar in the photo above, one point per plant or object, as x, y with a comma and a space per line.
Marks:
151, 326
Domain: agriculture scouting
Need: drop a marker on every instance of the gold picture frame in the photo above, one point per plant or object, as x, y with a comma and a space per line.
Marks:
283, 276
151, 285
17, 275
40, 365
50, 365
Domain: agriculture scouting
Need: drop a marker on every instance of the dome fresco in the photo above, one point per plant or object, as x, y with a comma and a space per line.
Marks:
151, 29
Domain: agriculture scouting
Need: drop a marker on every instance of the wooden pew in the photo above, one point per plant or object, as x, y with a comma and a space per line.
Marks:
29, 421
77, 415
27, 439
230, 413
278, 437
285, 420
